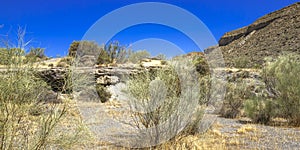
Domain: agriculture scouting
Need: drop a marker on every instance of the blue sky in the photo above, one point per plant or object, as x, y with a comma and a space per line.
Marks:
54, 24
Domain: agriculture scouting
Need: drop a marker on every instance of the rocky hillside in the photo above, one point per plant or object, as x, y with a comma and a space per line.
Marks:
269, 36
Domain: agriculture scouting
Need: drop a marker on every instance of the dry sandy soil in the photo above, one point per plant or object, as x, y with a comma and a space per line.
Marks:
104, 119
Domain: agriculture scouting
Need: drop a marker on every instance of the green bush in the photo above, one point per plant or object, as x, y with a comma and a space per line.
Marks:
28, 118
165, 96
20, 92
11, 56
65, 62
112, 52
283, 83
4, 56
236, 95
72, 51
260, 110
81, 48
135, 57
102, 92
35, 54
241, 62
282, 79
103, 57
161, 56
201, 65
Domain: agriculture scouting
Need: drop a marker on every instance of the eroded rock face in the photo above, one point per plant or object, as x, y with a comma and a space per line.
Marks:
269, 36
56, 78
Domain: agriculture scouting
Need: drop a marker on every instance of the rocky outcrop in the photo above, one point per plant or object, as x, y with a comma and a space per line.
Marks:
56, 78
152, 62
269, 36
59, 79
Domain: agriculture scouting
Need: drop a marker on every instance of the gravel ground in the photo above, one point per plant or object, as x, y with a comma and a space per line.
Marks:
105, 119
259, 136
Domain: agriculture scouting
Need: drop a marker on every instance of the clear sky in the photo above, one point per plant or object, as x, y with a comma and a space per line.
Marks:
54, 24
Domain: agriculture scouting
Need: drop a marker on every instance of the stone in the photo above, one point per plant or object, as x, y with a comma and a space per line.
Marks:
108, 80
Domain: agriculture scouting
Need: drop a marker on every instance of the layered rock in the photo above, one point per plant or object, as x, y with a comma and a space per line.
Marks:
269, 36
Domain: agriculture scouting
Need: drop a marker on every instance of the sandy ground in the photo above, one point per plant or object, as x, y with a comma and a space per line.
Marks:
106, 121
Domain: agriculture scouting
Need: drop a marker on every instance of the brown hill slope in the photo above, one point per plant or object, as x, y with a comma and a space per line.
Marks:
269, 36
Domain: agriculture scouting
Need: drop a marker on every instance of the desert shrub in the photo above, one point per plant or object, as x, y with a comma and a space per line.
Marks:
135, 57
165, 96
103, 57
201, 65
72, 51
164, 62
205, 89
116, 52
27, 121
20, 92
161, 56
102, 92
282, 82
282, 79
62, 64
65, 62
4, 56
11, 56
260, 110
236, 95
241, 62
35, 54
81, 48
112, 52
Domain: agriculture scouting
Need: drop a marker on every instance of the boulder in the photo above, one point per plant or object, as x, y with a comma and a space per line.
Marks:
108, 80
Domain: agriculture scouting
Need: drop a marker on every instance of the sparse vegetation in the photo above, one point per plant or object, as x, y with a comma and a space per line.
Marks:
35, 54
158, 98
167, 99
65, 62
241, 62
112, 52
201, 65
20, 92
282, 80
236, 95
28, 119
102, 92
260, 110
135, 57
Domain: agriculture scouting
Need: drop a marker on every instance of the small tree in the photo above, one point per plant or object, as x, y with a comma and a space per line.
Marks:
73, 48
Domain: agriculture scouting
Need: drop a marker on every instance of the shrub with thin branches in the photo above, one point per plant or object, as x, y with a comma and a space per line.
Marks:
165, 101
283, 82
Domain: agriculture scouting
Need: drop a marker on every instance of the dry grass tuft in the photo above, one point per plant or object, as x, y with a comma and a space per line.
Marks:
246, 128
